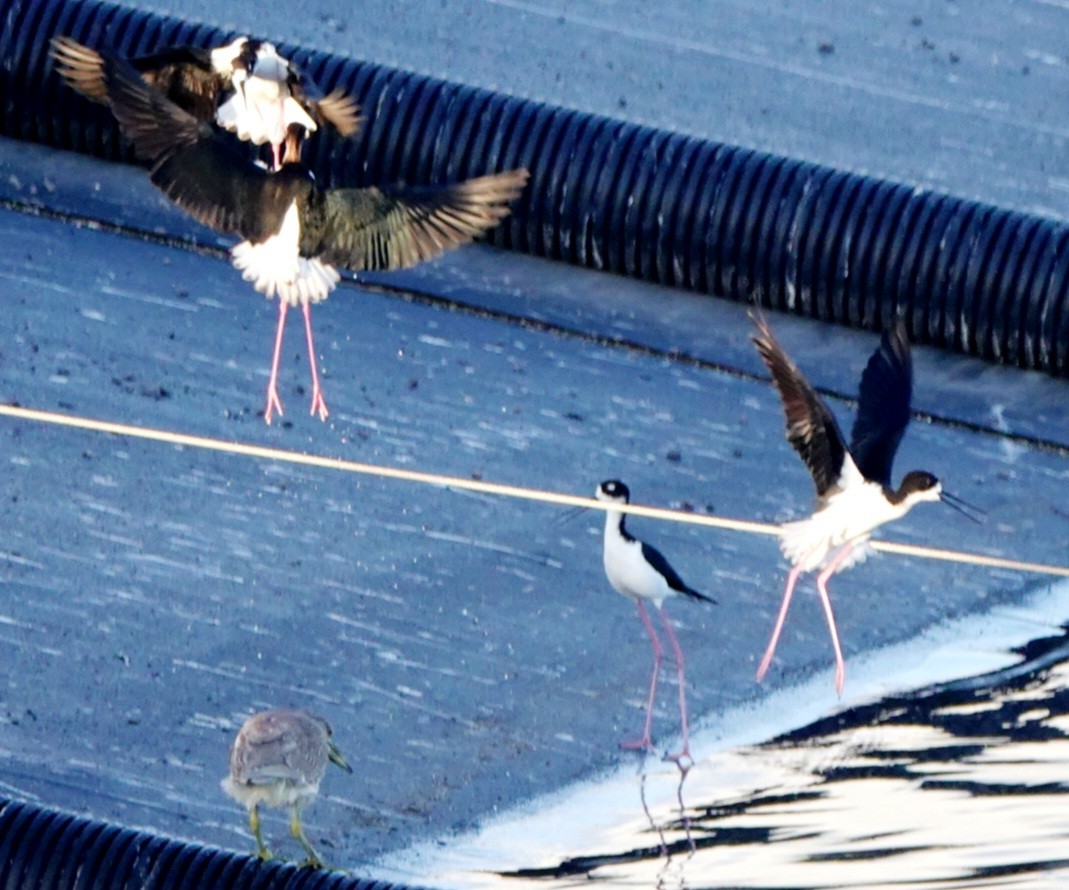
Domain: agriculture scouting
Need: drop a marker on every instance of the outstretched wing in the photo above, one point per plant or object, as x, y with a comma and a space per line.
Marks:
883, 406
189, 160
393, 228
336, 108
811, 427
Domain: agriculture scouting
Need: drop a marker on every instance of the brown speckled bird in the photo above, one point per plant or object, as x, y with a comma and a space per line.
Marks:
278, 759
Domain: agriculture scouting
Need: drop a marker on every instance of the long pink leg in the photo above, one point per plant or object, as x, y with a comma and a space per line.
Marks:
658, 656
318, 404
677, 653
788, 592
822, 580
273, 402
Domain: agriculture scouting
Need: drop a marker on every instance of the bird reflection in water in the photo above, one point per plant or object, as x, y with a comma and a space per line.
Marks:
673, 873
957, 785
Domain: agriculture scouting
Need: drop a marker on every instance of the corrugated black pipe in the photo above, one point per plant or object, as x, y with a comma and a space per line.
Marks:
43, 849
630, 199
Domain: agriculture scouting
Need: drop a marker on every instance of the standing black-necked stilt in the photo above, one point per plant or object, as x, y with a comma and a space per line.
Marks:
295, 232
245, 87
854, 493
641, 573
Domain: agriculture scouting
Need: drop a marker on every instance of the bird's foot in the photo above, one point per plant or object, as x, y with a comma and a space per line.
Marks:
312, 862
643, 744
265, 854
681, 758
319, 404
273, 404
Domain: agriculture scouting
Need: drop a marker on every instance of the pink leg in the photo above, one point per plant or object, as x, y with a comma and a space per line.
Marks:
788, 592
276, 153
658, 656
825, 600
677, 653
273, 402
318, 404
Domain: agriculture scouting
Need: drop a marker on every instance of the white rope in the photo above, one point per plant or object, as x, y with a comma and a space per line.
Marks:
513, 491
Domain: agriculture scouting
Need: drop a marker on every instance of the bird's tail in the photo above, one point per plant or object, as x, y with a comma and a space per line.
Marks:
695, 595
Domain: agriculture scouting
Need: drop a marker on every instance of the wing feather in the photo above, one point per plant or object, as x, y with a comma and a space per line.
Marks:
883, 406
188, 159
811, 427
393, 228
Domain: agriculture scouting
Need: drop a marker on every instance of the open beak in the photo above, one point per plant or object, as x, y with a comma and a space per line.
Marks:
963, 507
336, 757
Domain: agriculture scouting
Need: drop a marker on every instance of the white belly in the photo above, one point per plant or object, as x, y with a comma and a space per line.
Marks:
275, 267
849, 517
630, 574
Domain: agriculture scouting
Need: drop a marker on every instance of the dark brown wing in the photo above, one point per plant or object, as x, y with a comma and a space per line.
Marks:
374, 229
182, 73
337, 109
81, 67
188, 160
811, 427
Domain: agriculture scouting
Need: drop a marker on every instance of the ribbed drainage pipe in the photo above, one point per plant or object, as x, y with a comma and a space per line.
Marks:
42, 849
629, 199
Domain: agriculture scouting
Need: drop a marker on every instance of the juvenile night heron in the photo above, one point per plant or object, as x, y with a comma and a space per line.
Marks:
278, 759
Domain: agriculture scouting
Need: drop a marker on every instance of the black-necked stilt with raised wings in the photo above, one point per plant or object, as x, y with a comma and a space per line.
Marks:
245, 87
854, 493
294, 232
641, 573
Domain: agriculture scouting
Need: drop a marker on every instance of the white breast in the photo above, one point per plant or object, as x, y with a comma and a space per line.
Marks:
848, 516
262, 111
626, 569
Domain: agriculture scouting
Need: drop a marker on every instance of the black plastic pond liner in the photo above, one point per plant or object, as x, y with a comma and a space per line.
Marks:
616, 196
42, 849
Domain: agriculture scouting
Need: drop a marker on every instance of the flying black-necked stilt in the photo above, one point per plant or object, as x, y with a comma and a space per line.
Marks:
854, 493
278, 759
295, 232
641, 573
245, 87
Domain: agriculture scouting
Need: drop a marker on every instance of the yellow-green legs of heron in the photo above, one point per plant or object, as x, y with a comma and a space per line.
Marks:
313, 860
254, 826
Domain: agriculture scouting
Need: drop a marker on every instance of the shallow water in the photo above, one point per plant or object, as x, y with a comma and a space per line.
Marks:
959, 784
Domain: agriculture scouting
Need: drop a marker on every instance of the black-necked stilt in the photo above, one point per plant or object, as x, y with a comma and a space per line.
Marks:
295, 232
278, 759
641, 573
854, 493
276, 103
245, 87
